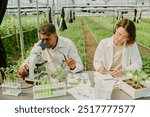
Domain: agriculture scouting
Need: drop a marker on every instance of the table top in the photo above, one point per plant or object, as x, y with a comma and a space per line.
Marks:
27, 93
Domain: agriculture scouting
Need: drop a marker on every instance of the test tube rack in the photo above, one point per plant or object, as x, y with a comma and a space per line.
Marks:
11, 88
49, 90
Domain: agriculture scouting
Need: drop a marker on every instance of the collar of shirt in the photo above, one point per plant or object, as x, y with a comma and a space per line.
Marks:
59, 45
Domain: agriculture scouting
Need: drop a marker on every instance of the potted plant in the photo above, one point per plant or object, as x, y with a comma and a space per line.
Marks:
135, 85
10, 86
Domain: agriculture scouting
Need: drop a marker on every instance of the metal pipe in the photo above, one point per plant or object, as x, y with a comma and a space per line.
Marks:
48, 9
37, 12
21, 32
53, 12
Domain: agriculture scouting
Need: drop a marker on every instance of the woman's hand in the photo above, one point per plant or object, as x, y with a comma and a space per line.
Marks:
102, 70
117, 73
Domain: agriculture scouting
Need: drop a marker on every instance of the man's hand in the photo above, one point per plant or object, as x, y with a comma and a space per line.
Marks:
102, 70
71, 63
23, 71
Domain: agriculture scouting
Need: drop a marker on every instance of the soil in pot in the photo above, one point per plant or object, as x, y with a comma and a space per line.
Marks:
129, 81
134, 84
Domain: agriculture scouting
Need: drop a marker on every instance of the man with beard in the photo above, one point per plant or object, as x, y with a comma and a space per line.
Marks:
58, 49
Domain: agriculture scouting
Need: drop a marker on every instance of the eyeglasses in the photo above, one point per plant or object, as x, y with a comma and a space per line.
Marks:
117, 34
46, 38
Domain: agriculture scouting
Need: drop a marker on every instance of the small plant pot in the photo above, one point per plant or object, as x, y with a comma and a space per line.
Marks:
11, 88
134, 90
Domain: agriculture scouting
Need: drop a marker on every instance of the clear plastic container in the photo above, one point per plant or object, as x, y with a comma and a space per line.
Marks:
49, 90
11, 87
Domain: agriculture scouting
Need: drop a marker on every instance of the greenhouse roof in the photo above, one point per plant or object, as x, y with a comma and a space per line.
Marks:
81, 2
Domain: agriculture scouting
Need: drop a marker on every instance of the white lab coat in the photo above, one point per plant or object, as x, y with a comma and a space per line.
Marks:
54, 57
131, 59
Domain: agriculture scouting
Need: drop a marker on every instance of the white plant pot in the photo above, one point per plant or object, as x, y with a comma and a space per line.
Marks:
134, 93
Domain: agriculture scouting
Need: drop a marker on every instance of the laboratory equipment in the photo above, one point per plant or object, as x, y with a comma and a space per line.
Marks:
11, 87
36, 62
48, 90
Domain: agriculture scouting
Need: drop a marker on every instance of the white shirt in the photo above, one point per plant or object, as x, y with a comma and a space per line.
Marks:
130, 60
54, 57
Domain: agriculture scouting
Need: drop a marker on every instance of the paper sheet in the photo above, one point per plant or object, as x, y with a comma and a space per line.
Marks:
104, 88
106, 77
77, 79
83, 92
97, 75
104, 85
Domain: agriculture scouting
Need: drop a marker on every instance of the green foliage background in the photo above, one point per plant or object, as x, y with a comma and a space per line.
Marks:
101, 27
